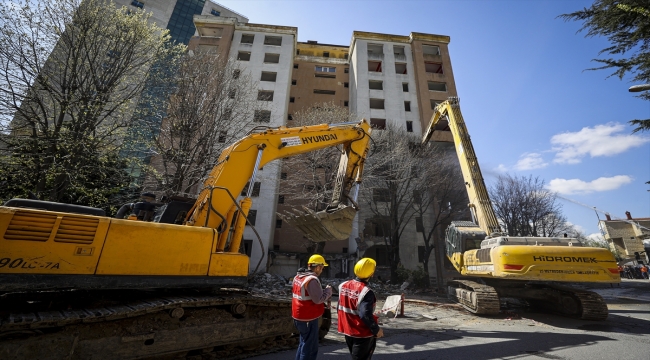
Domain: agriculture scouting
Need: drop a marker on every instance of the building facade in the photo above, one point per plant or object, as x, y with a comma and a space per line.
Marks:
628, 237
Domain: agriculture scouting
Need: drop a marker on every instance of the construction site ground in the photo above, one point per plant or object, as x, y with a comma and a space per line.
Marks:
434, 328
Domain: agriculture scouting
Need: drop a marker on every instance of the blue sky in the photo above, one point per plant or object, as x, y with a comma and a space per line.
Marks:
529, 104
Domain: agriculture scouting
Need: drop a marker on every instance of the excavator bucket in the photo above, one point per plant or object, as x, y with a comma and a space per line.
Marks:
327, 225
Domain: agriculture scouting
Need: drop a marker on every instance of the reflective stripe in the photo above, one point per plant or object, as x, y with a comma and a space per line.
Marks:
362, 294
296, 296
348, 310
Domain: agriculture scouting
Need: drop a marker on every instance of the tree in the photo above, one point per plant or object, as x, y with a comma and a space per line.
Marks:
440, 198
526, 208
211, 105
405, 185
626, 24
70, 74
316, 170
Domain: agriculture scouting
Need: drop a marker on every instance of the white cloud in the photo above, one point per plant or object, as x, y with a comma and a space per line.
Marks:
601, 140
530, 161
501, 168
577, 186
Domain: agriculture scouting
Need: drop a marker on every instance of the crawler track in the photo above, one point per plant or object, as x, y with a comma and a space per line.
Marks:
475, 297
131, 325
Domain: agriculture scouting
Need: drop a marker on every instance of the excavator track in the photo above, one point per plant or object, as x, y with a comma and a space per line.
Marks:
475, 297
149, 325
568, 301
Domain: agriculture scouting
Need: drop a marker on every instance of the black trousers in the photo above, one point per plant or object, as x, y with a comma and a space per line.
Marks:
361, 348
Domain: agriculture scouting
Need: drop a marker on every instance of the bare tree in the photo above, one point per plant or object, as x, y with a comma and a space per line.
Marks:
213, 104
70, 73
526, 208
391, 177
440, 197
316, 170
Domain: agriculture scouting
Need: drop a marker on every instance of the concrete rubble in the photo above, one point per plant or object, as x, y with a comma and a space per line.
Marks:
277, 285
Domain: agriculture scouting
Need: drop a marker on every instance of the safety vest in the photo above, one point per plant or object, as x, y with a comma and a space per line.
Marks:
351, 293
302, 306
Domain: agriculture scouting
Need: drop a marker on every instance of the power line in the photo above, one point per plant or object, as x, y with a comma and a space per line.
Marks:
603, 211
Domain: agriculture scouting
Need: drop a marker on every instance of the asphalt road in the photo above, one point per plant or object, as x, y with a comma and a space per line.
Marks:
445, 331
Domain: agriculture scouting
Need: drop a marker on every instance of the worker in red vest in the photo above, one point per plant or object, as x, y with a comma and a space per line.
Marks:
308, 304
356, 307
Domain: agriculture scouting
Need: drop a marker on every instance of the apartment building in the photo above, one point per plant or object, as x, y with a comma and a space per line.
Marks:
629, 237
391, 80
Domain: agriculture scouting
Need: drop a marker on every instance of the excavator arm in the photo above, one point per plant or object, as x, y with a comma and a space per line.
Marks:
447, 117
238, 165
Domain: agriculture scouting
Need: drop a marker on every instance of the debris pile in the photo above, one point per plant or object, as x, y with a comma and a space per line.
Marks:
278, 285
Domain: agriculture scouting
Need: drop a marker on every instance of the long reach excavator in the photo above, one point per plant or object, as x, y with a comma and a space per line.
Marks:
76, 284
494, 265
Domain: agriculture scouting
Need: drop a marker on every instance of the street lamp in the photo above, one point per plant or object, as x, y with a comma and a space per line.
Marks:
639, 88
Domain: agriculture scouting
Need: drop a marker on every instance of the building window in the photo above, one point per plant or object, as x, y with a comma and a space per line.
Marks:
323, 75
280, 199
278, 223
265, 95
256, 189
347, 85
292, 99
344, 250
374, 66
232, 93
409, 126
345, 103
222, 136
271, 58
297, 51
345, 56
400, 68
437, 86
419, 226
421, 254
252, 216
294, 82
262, 116
215, 12
226, 114
434, 103
273, 40
399, 53
268, 76
247, 38
430, 50
346, 70
276, 247
376, 85
433, 68
324, 92
376, 103
283, 176
236, 73
244, 56
295, 66
380, 195
137, 4
325, 69
381, 255
379, 124
407, 106
326, 54
246, 247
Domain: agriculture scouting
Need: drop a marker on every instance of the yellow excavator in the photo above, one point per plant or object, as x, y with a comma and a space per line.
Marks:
76, 284
495, 266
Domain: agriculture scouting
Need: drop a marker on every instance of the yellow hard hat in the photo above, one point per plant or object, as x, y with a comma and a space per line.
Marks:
317, 260
364, 268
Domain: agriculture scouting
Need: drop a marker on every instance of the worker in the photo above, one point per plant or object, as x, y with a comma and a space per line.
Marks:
644, 271
356, 307
308, 304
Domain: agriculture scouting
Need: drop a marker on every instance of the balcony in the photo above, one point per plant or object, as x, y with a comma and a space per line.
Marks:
375, 56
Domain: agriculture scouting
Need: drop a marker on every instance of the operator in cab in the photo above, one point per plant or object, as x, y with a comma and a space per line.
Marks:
308, 304
356, 312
